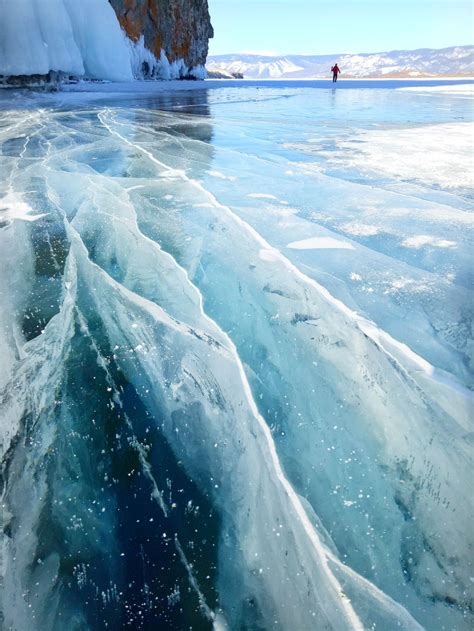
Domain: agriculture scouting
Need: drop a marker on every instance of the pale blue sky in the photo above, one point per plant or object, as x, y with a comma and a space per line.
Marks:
329, 26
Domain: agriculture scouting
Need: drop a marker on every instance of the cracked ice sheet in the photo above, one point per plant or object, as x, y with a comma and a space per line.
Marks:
376, 451
402, 231
197, 249
119, 282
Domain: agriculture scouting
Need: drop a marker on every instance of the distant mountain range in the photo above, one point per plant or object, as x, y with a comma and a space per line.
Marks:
425, 62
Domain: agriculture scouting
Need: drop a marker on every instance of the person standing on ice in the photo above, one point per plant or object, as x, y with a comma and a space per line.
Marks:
335, 71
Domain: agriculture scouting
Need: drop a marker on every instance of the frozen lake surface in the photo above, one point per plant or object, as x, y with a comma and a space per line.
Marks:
236, 333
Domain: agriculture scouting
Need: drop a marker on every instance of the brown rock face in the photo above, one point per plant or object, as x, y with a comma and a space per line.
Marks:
182, 28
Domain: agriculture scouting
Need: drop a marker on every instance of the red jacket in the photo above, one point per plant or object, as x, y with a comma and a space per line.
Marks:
335, 69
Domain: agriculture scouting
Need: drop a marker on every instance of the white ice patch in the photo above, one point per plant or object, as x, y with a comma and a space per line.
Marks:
320, 243
422, 240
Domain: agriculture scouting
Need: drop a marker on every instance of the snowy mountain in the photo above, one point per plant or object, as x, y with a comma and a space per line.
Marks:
457, 60
101, 39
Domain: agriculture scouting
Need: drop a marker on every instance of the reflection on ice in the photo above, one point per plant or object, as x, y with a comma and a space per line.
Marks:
235, 387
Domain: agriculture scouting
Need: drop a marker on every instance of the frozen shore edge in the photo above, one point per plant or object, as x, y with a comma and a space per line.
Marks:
152, 86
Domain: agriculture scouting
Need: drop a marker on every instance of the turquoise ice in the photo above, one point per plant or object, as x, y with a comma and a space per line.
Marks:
236, 340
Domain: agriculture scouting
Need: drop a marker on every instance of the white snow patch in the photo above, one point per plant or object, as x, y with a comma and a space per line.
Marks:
464, 89
407, 285
280, 211
221, 176
360, 229
421, 240
320, 243
261, 196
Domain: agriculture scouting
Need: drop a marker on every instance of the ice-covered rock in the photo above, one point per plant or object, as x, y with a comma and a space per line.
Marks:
44, 40
63, 37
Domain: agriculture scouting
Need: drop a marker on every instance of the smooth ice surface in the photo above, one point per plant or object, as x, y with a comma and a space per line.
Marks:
237, 357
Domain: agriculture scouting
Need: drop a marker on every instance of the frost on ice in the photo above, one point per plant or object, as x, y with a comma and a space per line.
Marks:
234, 401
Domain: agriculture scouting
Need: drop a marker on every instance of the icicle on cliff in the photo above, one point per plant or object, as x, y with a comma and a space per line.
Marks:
162, 39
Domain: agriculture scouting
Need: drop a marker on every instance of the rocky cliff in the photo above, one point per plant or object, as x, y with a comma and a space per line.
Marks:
179, 28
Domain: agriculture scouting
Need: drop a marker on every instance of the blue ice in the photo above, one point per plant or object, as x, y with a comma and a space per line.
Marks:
237, 357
